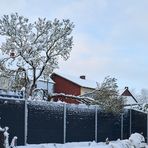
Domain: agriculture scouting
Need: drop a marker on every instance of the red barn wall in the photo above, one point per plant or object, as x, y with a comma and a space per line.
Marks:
65, 86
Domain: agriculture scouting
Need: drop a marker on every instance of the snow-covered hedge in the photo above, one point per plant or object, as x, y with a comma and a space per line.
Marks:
135, 141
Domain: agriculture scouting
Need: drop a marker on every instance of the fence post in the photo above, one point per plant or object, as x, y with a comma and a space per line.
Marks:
122, 126
147, 128
25, 120
130, 121
64, 130
96, 122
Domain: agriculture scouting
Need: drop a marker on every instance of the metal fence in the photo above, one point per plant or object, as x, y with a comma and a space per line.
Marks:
46, 122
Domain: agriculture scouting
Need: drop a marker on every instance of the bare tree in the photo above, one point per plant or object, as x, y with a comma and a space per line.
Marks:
34, 47
143, 97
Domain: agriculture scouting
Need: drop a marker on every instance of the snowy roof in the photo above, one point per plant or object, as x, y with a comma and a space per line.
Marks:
128, 96
79, 81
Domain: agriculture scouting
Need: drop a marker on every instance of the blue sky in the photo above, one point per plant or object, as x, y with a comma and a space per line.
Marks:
110, 36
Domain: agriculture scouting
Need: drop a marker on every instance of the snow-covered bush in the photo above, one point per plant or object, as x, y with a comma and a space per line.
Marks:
107, 96
145, 107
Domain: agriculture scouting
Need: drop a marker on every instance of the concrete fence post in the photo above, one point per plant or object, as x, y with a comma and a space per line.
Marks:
64, 126
130, 128
96, 122
122, 117
147, 129
25, 121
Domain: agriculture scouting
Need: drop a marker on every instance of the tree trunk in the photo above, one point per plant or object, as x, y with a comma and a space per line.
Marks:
33, 86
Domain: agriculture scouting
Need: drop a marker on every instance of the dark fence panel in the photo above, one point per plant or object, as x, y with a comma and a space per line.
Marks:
12, 115
109, 126
139, 122
45, 123
80, 123
126, 124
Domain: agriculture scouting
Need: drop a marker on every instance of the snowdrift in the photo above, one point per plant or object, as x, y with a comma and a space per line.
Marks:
136, 140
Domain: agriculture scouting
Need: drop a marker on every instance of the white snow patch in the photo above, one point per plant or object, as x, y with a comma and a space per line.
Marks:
135, 141
13, 142
6, 135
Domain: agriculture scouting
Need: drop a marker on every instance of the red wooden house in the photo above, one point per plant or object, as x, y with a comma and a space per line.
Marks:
71, 85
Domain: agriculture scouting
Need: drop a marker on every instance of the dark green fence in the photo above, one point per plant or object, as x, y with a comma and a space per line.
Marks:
59, 123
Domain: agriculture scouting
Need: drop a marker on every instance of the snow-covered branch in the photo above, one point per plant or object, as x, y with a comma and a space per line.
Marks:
36, 46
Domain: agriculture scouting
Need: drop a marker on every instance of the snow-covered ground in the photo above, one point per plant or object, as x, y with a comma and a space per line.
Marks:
135, 141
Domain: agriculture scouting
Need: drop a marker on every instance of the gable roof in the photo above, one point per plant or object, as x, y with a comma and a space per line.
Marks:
77, 80
130, 99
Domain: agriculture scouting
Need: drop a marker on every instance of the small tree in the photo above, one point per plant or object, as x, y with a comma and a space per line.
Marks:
143, 97
34, 47
107, 96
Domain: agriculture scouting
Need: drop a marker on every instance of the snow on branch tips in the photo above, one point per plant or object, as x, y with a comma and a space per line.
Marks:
35, 47
107, 96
